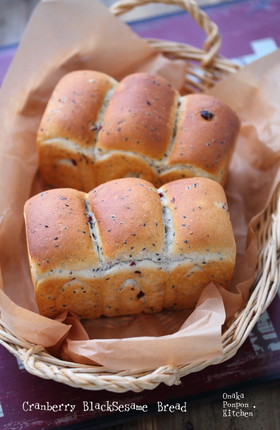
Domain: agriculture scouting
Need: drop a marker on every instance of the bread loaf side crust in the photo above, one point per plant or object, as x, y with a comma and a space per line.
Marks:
127, 247
95, 129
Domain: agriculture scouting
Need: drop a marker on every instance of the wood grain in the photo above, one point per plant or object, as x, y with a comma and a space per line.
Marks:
209, 416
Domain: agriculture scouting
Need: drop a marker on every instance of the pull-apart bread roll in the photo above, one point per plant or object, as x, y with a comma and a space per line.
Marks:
127, 247
95, 129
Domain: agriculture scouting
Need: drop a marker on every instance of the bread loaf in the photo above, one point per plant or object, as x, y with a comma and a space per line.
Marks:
95, 129
127, 247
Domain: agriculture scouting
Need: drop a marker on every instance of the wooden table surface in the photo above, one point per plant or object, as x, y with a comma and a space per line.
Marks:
209, 416
14, 15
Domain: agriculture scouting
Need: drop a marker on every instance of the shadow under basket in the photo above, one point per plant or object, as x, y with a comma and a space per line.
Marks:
205, 69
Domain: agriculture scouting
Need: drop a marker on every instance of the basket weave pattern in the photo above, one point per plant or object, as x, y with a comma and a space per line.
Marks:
205, 69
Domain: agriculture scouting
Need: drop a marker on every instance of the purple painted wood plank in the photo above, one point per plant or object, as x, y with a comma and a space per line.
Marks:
239, 23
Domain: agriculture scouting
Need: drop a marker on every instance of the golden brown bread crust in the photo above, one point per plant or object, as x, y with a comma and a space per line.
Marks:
209, 150
188, 202
95, 129
70, 126
72, 111
126, 247
140, 116
128, 219
122, 165
56, 220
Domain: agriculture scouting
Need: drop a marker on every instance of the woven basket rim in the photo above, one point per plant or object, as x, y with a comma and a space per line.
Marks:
37, 361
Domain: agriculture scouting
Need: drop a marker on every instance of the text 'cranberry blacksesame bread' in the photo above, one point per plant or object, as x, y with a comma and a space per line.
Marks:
127, 247
95, 129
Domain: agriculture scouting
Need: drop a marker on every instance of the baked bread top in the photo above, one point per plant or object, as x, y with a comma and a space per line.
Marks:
127, 219
95, 129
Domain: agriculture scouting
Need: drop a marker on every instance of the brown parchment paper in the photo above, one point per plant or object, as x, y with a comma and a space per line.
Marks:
54, 44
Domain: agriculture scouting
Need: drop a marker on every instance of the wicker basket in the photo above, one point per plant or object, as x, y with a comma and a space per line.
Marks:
205, 68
